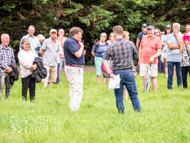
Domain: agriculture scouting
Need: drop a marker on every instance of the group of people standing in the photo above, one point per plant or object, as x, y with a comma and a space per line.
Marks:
172, 50
41, 58
153, 49
165, 54
49, 53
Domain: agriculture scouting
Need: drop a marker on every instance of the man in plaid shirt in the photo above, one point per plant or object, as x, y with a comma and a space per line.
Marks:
122, 52
6, 58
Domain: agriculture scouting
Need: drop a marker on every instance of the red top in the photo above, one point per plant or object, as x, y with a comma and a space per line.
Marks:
184, 34
79, 44
149, 47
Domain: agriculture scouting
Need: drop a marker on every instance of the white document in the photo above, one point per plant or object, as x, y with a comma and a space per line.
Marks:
115, 83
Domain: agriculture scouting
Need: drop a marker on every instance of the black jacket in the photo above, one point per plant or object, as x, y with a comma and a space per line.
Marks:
14, 74
40, 72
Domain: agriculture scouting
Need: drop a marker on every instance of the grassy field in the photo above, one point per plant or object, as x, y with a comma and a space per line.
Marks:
165, 115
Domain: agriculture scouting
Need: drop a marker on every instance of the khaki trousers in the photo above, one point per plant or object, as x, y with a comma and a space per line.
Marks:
51, 74
75, 78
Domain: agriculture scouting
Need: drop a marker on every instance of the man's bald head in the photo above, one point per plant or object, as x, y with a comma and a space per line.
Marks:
31, 30
5, 39
61, 30
31, 27
4, 35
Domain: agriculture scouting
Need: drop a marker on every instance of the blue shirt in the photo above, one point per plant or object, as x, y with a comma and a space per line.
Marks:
100, 50
6, 57
173, 55
140, 35
70, 47
34, 43
165, 39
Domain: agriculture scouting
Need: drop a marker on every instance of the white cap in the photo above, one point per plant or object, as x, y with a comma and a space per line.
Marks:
53, 30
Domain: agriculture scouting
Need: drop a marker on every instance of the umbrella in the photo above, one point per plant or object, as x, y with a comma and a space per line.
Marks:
148, 79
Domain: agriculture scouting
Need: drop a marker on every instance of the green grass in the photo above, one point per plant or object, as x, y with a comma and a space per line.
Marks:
165, 115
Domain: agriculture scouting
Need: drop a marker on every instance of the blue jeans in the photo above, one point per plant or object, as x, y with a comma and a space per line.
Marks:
170, 74
127, 79
138, 67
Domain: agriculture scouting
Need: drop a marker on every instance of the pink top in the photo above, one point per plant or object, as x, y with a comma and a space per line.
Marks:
149, 47
61, 41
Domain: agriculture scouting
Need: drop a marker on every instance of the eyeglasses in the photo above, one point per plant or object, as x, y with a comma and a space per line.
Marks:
156, 32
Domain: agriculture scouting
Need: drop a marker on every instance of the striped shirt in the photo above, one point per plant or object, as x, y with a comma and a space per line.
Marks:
6, 57
122, 52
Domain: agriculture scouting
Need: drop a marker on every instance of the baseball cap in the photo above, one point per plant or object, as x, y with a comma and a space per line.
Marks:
168, 26
150, 27
144, 25
53, 30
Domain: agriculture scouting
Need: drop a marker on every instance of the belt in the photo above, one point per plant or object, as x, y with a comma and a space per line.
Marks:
79, 66
128, 69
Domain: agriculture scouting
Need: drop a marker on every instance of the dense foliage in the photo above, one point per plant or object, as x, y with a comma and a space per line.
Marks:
92, 16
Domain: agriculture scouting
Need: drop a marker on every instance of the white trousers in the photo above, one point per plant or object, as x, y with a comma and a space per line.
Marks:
75, 78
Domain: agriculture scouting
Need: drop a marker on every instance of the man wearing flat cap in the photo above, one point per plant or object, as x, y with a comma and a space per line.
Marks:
149, 51
50, 49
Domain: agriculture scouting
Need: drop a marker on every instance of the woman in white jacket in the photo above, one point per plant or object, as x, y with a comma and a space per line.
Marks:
26, 57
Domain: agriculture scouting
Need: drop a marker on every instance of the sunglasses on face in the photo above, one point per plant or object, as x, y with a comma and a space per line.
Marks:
156, 32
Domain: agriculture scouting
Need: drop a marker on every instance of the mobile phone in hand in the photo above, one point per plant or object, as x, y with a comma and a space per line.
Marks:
82, 41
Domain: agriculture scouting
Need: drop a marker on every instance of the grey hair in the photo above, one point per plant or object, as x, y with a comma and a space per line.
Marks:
25, 40
41, 37
31, 26
102, 34
176, 24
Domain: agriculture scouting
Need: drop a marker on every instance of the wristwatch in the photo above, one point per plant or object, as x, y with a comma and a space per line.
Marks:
110, 73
